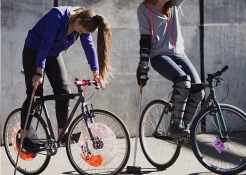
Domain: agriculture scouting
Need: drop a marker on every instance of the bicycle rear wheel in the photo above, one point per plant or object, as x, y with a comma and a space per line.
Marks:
159, 149
204, 135
109, 155
28, 163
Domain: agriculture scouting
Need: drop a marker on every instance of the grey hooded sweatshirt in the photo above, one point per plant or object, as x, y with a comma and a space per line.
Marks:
167, 38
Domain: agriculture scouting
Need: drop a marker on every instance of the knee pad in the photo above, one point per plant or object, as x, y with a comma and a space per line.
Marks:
182, 81
196, 87
181, 88
195, 98
180, 95
197, 93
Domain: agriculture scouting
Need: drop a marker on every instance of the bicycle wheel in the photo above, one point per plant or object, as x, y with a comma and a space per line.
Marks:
159, 149
112, 149
28, 163
231, 158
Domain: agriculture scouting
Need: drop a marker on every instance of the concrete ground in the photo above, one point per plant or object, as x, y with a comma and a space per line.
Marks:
186, 164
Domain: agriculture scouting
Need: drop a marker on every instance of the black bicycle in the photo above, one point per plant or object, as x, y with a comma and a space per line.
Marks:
97, 141
217, 133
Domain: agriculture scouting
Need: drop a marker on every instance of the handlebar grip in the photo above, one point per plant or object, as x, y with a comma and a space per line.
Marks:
224, 69
77, 82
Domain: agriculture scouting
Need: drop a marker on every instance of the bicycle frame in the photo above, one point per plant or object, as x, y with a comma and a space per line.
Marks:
211, 98
218, 116
84, 107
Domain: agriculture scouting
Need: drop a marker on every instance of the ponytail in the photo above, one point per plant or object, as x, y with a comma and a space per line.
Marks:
104, 43
91, 21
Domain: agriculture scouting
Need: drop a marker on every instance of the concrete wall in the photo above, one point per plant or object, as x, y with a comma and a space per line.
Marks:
225, 32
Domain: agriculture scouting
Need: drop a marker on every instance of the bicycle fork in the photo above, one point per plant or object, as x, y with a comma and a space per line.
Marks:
220, 122
88, 117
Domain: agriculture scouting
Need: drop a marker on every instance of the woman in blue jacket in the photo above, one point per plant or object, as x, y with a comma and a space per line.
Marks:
56, 32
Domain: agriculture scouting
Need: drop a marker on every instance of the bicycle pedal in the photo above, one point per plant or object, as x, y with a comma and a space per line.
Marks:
30, 150
163, 137
134, 169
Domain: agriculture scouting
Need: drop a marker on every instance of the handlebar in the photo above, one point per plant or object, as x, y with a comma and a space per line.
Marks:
218, 73
80, 83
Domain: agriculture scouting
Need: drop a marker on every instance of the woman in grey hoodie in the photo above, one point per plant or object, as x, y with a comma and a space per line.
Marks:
161, 41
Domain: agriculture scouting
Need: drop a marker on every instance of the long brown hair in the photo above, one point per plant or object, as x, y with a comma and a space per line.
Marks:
165, 9
92, 21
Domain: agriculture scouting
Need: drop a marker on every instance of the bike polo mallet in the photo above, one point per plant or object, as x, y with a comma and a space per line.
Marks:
136, 169
22, 137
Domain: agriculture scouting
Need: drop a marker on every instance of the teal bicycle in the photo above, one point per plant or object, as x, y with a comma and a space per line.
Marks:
217, 133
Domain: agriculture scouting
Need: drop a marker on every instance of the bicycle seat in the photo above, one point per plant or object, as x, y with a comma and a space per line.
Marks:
195, 87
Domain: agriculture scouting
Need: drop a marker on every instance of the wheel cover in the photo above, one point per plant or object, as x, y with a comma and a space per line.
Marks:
23, 155
102, 156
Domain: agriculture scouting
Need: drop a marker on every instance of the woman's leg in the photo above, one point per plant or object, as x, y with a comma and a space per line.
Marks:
29, 65
57, 75
165, 66
195, 96
187, 67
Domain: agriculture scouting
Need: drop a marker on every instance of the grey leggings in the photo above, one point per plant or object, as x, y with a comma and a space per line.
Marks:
174, 66
57, 75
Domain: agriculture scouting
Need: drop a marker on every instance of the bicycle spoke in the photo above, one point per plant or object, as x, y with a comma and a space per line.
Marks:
230, 159
152, 142
29, 163
117, 140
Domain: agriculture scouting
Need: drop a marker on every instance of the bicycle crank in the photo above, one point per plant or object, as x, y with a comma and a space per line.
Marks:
50, 147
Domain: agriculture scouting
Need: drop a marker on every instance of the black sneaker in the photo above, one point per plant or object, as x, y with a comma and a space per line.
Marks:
28, 145
177, 131
74, 139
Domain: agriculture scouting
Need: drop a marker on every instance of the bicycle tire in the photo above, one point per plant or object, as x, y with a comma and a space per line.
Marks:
120, 158
232, 160
161, 153
28, 163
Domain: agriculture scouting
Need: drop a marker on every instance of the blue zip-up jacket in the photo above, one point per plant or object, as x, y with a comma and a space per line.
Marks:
49, 37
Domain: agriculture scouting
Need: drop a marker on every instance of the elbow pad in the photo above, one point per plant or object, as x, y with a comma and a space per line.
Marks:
145, 44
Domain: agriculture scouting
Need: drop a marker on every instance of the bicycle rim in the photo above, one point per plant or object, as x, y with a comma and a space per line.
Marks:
230, 157
160, 153
28, 163
101, 161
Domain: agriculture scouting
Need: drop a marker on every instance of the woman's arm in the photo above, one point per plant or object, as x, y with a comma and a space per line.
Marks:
90, 51
177, 3
143, 20
51, 24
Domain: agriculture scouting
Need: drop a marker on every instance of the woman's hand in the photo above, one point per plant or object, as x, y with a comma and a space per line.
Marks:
37, 80
98, 79
101, 82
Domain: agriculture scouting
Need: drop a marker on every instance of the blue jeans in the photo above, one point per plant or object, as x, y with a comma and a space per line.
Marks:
173, 66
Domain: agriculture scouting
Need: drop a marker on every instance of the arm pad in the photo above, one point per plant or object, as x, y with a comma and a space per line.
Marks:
145, 44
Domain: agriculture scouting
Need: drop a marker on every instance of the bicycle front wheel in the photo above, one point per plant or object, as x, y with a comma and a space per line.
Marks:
29, 163
160, 150
111, 149
229, 157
